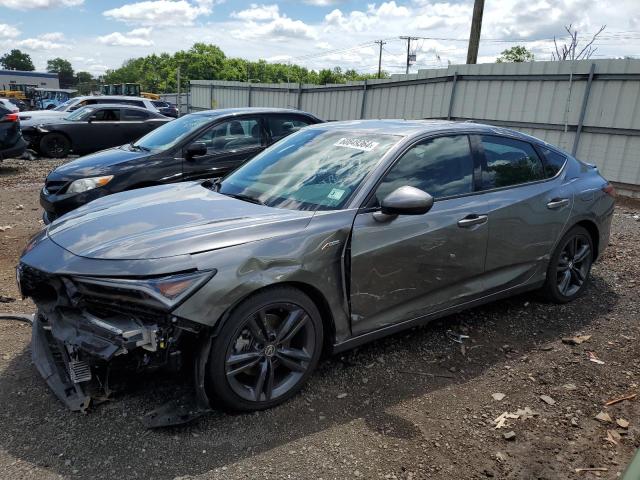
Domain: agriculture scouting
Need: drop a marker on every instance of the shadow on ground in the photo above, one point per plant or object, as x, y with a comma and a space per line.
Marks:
111, 442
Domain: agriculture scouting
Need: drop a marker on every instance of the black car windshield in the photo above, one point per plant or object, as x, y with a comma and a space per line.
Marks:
171, 133
314, 169
79, 113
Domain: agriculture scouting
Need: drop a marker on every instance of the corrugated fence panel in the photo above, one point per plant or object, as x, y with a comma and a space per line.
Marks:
544, 99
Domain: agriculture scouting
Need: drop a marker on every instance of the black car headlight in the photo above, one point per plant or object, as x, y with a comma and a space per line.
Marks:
166, 291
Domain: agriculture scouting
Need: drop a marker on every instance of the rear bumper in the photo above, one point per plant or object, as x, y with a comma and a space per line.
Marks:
14, 151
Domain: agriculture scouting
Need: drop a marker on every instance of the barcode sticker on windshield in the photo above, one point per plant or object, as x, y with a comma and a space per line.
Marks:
357, 143
336, 194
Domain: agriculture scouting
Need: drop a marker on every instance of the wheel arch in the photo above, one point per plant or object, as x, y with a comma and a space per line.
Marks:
594, 232
316, 296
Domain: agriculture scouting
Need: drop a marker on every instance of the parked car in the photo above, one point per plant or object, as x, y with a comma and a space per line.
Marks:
166, 108
92, 128
337, 235
22, 105
11, 142
200, 145
8, 105
34, 117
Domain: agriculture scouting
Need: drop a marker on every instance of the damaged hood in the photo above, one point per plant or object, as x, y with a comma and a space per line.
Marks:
168, 220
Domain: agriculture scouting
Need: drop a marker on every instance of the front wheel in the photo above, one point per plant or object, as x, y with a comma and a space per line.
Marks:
266, 350
570, 266
55, 145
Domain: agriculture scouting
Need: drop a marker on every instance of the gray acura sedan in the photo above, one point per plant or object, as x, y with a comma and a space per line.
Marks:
337, 235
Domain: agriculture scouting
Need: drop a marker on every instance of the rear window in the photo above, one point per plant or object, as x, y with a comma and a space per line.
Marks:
130, 114
509, 162
553, 162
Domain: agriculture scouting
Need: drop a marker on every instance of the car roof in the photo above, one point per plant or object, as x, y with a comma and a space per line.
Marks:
109, 97
220, 112
117, 105
411, 128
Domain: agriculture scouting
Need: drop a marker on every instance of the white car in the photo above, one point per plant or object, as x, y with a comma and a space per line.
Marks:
39, 116
8, 105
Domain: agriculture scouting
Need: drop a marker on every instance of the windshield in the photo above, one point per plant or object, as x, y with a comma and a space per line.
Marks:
79, 113
313, 169
171, 133
63, 106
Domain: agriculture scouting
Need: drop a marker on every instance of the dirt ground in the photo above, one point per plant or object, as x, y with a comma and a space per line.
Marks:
412, 406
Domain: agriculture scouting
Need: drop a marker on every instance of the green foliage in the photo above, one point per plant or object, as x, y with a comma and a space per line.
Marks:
83, 77
158, 73
516, 54
64, 70
17, 60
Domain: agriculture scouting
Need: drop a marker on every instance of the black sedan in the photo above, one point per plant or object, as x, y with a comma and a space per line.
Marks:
11, 141
92, 128
165, 108
206, 144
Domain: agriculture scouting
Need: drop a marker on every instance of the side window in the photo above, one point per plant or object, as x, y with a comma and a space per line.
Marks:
130, 114
553, 162
509, 162
282, 125
106, 115
232, 135
441, 166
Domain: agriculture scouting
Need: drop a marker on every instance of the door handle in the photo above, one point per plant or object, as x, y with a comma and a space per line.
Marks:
557, 203
471, 220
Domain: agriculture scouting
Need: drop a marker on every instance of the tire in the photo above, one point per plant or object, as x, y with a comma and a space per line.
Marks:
255, 362
55, 145
569, 267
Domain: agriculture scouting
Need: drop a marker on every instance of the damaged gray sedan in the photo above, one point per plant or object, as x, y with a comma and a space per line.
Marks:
335, 236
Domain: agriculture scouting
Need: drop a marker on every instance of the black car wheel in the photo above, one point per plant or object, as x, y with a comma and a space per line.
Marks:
266, 350
570, 265
54, 145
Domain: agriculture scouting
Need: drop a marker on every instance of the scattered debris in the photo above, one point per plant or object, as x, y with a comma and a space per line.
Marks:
594, 469
522, 414
509, 435
604, 417
577, 340
498, 396
21, 317
613, 437
20, 207
569, 386
341, 395
622, 423
456, 337
547, 399
594, 358
425, 374
5, 228
4, 299
501, 457
621, 399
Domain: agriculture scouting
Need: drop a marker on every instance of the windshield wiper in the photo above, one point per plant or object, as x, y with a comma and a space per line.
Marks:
246, 198
133, 146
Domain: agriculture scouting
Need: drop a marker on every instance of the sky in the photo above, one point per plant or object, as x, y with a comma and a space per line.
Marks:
96, 35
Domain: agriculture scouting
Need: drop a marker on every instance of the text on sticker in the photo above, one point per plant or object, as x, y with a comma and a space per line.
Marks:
357, 143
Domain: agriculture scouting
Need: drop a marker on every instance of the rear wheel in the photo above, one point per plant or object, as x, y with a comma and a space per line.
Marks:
266, 350
570, 266
55, 145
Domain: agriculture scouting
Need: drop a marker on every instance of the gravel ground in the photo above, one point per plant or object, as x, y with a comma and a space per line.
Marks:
412, 406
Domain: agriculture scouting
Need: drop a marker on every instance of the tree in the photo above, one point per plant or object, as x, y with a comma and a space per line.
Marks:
516, 54
64, 70
83, 77
17, 60
570, 51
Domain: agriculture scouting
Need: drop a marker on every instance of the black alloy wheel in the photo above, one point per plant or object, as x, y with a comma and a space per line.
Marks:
55, 145
266, 350
570, 266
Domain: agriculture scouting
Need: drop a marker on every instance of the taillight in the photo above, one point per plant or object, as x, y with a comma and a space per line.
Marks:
609, 190
11, 117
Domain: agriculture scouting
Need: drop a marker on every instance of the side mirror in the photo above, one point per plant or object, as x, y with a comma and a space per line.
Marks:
196, 149
407, 201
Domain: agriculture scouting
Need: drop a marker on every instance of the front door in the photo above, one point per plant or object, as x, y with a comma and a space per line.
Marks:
101, 130
229, 144
527, 213
413, 265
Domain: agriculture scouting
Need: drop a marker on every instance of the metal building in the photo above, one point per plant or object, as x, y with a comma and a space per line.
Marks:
34, 79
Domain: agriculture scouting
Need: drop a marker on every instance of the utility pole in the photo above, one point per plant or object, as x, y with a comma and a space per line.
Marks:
408, 39
381, 43
179, 99
474, 36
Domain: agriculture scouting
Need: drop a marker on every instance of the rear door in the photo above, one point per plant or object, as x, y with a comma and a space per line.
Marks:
527, 211
134, 124
229, 144
413, 265
280, 125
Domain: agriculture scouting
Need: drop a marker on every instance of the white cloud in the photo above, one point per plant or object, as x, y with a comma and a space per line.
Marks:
266, 21
322, 3
46, 41
39, 4
7, 31
360, 21
138, 37
161, 12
